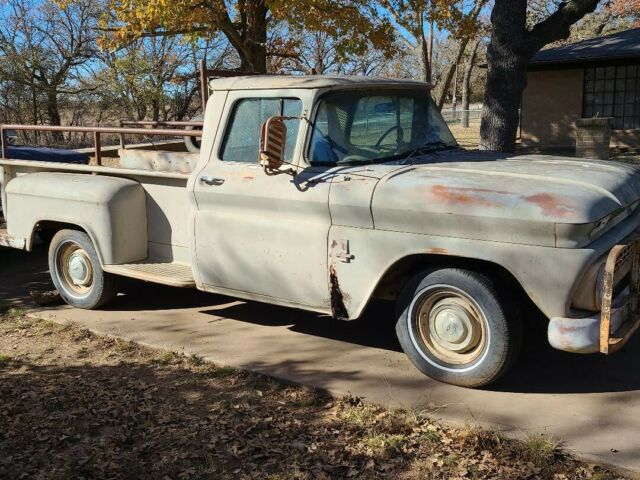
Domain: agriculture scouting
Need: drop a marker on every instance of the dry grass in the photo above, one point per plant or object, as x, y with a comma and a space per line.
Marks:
467, 137
77, 405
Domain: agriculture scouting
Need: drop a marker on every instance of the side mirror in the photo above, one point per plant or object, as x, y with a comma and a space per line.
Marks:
272, 143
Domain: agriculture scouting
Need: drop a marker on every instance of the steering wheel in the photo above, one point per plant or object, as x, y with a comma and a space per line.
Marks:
397, 128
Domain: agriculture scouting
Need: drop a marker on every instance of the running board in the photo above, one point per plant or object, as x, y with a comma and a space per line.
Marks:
171, 274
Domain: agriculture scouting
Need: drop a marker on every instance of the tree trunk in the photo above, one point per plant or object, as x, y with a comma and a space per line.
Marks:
53, 114
253, 31
425, 61
512, 46
254, 58
448, 78
506, 81
466, 83
454, 94
155, 109
53, 111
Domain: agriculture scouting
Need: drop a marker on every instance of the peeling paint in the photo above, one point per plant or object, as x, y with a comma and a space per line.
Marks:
338, 309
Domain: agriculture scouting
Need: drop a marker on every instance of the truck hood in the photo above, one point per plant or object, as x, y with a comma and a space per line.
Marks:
521, 195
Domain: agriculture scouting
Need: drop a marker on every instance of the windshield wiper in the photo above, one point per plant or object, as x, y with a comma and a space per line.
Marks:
432, 147
423, 150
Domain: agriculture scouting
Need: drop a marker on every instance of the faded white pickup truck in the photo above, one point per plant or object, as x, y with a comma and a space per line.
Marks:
323, 193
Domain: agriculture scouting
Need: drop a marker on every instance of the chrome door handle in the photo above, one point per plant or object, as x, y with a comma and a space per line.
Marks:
211, 181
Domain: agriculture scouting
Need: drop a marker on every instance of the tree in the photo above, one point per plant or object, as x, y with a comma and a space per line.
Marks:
43, 47
419, 17
466, 82
511, 48
155, 78
414, 17
246, 23
467, 29
612, 16
627, 8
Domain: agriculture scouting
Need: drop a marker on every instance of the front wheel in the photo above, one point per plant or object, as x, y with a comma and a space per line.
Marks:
453, 327
77, 273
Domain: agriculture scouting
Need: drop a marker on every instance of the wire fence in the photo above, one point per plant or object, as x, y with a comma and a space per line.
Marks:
454, 117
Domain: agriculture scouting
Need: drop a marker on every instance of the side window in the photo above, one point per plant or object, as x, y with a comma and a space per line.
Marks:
242, 138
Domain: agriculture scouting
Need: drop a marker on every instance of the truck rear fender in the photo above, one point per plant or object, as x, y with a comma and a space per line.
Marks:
111, 210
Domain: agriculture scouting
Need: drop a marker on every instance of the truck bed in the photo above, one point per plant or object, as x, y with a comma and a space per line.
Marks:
33, 166
168, 202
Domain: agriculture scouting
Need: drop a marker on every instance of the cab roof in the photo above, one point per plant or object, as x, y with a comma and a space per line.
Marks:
266, 82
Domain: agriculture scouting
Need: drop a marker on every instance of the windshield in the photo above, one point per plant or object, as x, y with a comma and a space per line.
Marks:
355, 127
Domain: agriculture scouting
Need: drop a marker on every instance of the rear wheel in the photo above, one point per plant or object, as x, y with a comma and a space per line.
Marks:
454, 328
77, 273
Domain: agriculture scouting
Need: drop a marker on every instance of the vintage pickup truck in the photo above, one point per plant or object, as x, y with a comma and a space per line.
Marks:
323, 193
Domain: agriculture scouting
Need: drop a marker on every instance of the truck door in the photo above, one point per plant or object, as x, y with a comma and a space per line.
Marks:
258, 234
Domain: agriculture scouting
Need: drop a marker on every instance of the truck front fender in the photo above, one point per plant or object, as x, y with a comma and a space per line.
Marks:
111, 210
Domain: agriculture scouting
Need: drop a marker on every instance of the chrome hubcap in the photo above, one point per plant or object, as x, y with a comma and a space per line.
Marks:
76, 271
79, 269
451, 326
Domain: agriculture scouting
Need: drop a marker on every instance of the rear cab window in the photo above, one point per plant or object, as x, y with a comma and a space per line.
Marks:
242, 136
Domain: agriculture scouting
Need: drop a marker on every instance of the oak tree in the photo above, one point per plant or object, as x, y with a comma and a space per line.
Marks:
512, 46
246, 23
43, 48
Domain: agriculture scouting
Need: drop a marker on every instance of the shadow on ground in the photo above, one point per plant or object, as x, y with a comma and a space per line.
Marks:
540, 368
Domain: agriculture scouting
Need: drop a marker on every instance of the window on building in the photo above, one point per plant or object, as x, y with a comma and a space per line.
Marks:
613, 91
242, 139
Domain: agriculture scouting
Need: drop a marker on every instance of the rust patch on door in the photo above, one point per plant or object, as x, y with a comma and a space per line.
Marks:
338, 309
551, 205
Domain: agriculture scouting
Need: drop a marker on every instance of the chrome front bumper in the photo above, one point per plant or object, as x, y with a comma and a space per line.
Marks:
619, 318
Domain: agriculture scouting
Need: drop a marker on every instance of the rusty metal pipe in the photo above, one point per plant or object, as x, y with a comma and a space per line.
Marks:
106, 130
204, 84
152, 123
98, 147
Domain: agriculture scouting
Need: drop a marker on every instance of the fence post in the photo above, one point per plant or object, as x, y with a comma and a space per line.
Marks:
121, 135
98, 148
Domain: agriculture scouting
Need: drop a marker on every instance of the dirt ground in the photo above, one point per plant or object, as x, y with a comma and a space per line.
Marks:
76, 405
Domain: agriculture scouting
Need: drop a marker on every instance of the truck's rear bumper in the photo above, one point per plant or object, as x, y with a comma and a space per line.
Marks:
610, 329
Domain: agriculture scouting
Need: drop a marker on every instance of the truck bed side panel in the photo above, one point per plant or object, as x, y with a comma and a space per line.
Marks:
111, 210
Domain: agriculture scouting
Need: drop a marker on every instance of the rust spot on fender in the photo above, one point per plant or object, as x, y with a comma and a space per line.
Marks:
338, 309
551, 205
248, 177
438, 251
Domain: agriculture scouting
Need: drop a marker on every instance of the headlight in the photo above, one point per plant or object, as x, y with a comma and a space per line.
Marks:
612, 220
